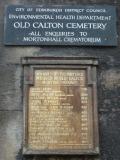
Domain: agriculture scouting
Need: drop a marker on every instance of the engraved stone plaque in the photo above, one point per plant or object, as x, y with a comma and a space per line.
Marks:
60, 110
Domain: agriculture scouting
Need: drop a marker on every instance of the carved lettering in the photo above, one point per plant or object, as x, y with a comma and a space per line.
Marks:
58, 114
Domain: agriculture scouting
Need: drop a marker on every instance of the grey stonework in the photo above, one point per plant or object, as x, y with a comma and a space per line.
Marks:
11, 109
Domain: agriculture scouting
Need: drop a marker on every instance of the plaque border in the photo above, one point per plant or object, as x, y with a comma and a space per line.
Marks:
29, 65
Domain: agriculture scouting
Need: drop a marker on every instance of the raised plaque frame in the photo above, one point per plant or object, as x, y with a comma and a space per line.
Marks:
89, 64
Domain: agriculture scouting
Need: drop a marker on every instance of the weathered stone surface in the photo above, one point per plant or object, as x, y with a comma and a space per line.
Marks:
10, 134
109, 133
10, 87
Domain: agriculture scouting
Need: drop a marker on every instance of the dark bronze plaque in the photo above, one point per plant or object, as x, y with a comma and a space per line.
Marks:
60, 107
59, 111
